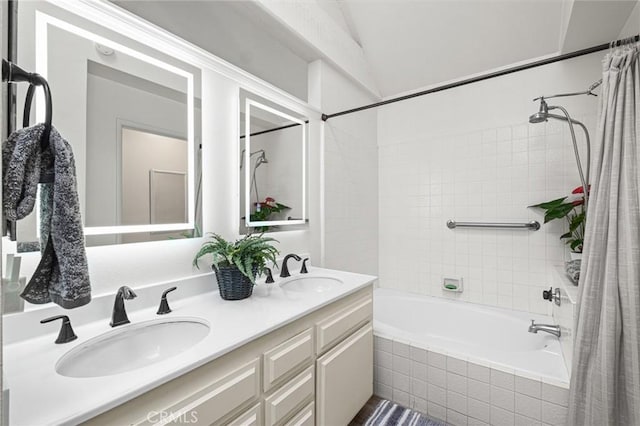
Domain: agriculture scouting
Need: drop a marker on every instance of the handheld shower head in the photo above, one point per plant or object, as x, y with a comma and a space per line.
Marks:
262, 159
543, 113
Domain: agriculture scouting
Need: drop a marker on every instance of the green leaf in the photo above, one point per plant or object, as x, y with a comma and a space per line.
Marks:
558, 212
550, 204
577, 221
566, 235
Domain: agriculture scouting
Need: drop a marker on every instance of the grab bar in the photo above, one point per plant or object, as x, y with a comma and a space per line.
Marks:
534, 225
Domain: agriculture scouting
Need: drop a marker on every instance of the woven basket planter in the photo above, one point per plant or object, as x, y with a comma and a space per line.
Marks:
232, 283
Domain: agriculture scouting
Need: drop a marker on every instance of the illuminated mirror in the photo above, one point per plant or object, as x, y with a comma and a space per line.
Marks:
272, 167
132, 117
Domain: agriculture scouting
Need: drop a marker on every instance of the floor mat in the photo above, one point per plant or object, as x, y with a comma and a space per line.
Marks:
388, 413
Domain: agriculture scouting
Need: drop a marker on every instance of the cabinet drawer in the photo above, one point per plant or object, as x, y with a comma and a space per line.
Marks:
306, 417
251, 417
287, 357
347, 366
333, 329
290, 397
221, 398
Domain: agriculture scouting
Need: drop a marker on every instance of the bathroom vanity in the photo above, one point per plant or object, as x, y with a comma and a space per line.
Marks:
298, 352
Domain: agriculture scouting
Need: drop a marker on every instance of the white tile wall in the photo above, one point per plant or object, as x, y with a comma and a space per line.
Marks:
486, 175
461, 392
565, 314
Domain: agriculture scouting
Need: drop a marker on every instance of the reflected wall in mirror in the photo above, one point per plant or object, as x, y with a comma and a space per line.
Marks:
272, 166
132, 117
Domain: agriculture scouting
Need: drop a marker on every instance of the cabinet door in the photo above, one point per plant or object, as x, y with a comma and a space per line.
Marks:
345, 379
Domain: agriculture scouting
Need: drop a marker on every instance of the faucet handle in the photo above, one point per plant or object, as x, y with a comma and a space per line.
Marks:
164, 304
552, 295
66, 334
303, 270
269, 279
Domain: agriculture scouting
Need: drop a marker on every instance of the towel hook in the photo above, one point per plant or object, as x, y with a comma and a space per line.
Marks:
44, 138
14, 74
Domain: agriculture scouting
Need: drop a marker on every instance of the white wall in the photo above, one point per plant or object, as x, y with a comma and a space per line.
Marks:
470, 154
350, 173
632, 27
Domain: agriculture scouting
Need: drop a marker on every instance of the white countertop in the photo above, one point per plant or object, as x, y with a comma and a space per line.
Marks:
40, 396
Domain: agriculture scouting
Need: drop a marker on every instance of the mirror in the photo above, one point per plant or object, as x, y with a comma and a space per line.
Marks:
132, 117
273, 149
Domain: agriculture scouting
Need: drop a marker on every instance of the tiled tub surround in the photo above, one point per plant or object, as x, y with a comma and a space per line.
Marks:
458, 381
488, 175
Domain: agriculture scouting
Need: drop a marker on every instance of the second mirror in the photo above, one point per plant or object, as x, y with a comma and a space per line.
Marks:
272, 166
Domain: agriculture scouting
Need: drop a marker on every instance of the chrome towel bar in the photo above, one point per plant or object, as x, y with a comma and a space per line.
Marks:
533, 225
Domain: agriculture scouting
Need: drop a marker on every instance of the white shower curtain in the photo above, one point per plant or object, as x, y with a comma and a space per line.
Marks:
605, 381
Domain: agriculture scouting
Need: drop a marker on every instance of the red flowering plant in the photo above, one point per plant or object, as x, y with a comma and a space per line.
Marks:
572, 209
266, 208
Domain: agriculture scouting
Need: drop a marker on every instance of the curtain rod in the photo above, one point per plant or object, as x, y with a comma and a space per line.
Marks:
464, 82
288, 126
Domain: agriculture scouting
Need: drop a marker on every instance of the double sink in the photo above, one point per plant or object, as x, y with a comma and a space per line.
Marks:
145, 343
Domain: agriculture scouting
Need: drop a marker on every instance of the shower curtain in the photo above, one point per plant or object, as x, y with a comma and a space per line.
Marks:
605, 381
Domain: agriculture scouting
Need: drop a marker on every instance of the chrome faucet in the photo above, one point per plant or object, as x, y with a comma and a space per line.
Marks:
119, 315
284, 271
547, 328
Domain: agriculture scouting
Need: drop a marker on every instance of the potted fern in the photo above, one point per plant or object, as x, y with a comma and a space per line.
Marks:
238, 264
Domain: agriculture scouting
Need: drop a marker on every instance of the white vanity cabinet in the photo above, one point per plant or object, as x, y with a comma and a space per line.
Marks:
345, 378
316, 370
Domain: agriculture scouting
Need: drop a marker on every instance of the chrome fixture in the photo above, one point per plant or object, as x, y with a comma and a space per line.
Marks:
164, 304
262, 159
547, 328
543, 115
119, 314
304, 270
284, 271
66, 334
552, 295
533, 225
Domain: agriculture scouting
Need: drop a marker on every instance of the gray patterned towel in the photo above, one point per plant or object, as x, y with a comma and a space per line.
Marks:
573, 270
62, 275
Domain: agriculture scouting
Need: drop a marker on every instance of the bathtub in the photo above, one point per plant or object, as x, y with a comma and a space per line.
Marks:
459, 361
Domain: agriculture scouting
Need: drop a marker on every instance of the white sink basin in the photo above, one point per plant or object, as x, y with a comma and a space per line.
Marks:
312, 284
132, 346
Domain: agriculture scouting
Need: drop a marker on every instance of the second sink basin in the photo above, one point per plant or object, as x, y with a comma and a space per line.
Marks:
312, 284
132, 347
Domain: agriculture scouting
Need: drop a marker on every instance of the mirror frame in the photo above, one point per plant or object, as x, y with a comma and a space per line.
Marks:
42, 23
249, 103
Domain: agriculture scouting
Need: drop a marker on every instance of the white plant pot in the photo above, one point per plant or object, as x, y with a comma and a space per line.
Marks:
575, 256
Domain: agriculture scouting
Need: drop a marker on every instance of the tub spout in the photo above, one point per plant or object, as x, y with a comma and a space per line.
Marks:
547, 328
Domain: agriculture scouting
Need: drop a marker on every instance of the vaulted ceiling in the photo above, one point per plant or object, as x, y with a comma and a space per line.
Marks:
388, 46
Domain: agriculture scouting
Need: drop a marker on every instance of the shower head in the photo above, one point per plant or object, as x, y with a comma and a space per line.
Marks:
262, 159
542, 115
